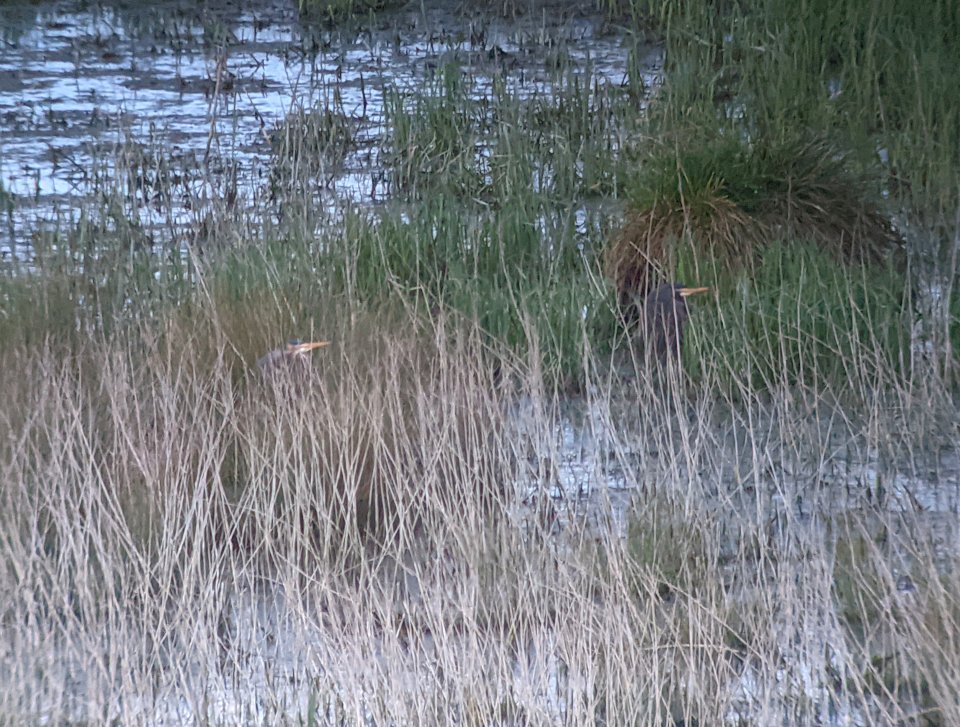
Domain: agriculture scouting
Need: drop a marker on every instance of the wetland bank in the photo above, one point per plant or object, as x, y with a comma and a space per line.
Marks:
486, 505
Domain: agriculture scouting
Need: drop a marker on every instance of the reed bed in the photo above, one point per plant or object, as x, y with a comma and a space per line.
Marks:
182, 544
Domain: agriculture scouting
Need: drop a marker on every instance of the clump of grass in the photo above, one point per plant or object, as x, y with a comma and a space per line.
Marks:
336, 12
731, 198
435, 137
309, 147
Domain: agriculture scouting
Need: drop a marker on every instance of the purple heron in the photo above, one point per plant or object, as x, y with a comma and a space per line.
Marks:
293, 358
664, 315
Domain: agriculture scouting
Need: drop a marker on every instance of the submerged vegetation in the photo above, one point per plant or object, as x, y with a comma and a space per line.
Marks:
482, 506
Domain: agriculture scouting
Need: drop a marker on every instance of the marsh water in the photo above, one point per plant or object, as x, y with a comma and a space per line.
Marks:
173, 106
199, 94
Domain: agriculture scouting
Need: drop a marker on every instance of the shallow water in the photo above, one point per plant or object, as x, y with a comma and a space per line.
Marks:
175, 105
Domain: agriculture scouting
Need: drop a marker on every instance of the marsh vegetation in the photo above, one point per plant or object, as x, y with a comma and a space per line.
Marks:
484, 505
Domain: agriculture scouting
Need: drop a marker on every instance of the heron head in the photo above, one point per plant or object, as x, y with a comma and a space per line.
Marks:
684, 292
295, 346
670, 295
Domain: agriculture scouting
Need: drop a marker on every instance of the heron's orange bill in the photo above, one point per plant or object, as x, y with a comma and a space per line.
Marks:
684, 292
309, 346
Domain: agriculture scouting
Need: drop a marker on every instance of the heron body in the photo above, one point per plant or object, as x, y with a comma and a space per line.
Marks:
664, 315
293, 358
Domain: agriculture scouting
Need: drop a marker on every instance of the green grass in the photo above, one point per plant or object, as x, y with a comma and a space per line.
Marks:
497, 271
341, 12
730, 197
874, 74
800, 318
435, 134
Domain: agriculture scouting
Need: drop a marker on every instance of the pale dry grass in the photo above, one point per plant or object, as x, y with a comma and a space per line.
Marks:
186, 546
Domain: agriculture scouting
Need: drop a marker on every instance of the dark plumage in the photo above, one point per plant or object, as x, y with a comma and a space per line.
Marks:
291, 359
664, 315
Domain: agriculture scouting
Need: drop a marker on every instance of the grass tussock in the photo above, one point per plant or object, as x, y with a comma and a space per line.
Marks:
878, 75
729, 200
